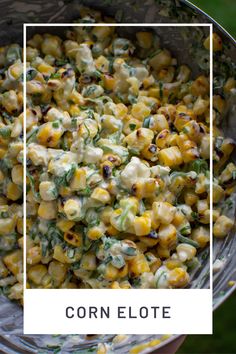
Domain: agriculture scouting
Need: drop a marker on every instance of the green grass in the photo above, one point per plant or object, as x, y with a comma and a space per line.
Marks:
223, 341
223, 11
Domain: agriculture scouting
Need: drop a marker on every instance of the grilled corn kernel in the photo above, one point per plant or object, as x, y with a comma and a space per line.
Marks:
50, 135
144, 39
36, 273
65, 225
57, 271
201, 235
78, 181
47, 210
73, 238
139, 265
178, 278
72, 209
222, 226
7, 226
48, 190
163, 212
14, 261
101, 195
33, 255
96, 232
142, 225
167, 236
171, 157
185, 252
17, 174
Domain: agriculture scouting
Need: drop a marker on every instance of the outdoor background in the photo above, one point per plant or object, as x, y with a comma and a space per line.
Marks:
223, 341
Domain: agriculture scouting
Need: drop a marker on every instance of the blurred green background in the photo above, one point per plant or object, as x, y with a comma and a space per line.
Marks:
223, 341
223, 11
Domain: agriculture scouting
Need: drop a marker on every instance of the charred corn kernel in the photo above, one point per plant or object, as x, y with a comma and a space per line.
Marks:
14, 261
140, 111
144, 39
101, 195
144, 189
47, 210
73, 238
150, 152
65, 225
33, 255
171, 157
222, 226
139, 265
142, 225
139, 139
201, 235
178, 278
163, 212
162, 139
188, 148
49, 134
14, 191
72, 209
36, 273
57, 271
167, 236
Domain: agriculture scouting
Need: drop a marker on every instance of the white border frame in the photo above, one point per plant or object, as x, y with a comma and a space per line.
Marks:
39, 293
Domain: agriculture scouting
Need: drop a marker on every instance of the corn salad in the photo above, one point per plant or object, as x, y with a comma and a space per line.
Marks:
11, 171
117, 163
117, 172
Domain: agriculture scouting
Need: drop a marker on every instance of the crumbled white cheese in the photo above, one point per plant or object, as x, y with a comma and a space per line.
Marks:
134, 171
